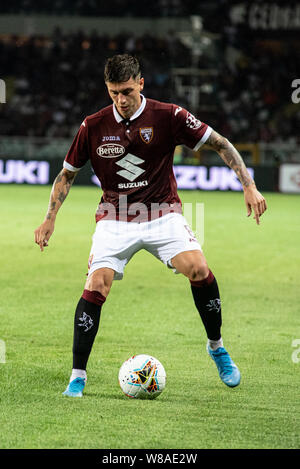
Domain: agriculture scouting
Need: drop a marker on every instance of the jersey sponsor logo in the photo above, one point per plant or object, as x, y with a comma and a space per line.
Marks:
130, 169
110, 150
130, 185
192, 122
177, 110
111, 138
146, 134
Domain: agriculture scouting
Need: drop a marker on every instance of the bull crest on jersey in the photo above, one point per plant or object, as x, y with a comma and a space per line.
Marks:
146, 134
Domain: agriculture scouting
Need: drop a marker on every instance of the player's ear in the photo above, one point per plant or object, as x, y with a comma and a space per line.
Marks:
141, 84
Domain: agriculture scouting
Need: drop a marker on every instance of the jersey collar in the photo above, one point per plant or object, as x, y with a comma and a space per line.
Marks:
119, 118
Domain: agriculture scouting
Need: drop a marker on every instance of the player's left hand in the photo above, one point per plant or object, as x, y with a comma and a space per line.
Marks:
254, 201
43, 233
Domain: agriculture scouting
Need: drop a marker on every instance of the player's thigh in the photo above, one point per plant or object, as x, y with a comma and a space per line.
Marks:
100, 280
192, 264
114, 244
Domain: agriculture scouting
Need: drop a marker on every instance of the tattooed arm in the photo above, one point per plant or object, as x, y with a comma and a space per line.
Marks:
59, 192
253, 199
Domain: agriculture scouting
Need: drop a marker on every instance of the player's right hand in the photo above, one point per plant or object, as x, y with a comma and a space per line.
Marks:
43, 232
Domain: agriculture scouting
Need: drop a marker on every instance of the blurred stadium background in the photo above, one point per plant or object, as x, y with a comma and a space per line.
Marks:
236, 65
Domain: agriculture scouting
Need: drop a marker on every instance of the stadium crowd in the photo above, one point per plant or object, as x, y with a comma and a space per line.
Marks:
54, 82
98, 8
255, 88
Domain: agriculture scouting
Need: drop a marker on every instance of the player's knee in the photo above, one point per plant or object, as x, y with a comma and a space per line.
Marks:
98, 282
198, 272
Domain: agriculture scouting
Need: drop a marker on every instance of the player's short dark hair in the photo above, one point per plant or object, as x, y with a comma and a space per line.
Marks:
120, 68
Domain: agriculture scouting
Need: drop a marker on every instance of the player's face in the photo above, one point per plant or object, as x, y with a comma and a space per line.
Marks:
126, 95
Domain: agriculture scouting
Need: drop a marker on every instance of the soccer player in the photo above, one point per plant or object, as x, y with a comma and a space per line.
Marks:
130, 145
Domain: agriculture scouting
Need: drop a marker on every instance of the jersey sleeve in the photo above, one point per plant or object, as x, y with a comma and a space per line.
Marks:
78, 153
187, 129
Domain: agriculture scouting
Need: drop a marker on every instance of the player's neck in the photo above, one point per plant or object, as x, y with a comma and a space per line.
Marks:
128, 115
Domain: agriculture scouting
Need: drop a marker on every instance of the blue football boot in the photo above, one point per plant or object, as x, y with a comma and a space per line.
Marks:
228, 371
75, 388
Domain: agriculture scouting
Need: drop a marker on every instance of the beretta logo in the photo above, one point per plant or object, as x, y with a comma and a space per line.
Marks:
110, 150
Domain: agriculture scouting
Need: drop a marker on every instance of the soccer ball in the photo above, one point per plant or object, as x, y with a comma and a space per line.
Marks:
142, 377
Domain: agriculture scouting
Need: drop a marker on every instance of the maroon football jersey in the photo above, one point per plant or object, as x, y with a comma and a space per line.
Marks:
133, 158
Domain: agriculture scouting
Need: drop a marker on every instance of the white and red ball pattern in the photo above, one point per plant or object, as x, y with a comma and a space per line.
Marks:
142, 377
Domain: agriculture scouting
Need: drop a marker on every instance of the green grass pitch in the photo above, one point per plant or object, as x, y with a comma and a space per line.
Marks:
150, 311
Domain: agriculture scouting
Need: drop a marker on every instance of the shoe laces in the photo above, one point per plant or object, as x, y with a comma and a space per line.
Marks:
77, 384
223, 361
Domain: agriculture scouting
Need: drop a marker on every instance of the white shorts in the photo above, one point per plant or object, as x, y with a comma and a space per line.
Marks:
115, 242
